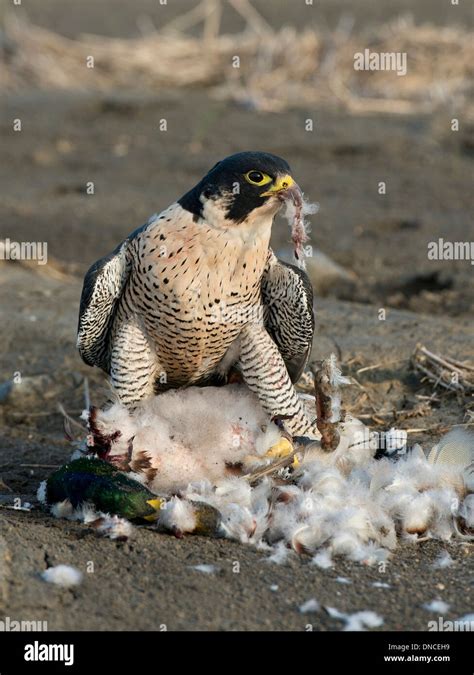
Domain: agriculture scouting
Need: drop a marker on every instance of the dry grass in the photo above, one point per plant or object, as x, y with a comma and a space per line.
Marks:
444, 371
278, 68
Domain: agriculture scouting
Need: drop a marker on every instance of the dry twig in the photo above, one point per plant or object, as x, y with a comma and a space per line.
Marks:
443, 371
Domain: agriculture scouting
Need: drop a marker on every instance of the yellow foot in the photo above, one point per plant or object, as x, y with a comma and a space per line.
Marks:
282, 449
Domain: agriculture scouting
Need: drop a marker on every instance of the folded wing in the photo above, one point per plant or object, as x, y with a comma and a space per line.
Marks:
287, 297
101, 293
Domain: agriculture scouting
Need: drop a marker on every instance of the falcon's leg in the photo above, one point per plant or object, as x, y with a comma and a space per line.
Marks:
265, 374
133, 366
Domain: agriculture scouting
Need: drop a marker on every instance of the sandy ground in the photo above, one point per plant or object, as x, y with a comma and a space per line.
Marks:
68, 140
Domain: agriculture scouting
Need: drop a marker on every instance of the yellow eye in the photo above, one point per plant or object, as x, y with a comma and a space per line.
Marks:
257, 178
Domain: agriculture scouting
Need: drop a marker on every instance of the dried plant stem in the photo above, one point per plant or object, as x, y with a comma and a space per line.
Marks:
378, 365
444, 371
41, 466
279, 68
447, 362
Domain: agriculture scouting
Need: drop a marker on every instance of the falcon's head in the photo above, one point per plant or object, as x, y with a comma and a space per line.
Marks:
245, 186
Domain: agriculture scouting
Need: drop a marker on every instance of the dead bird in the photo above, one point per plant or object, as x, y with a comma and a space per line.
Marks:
95, 482
90, 483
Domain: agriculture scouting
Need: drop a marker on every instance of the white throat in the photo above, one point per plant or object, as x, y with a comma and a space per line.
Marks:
256, 227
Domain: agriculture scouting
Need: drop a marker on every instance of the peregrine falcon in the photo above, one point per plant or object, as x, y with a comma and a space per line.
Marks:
196, 295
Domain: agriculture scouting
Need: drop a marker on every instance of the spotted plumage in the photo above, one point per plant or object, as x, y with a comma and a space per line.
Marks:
196, 293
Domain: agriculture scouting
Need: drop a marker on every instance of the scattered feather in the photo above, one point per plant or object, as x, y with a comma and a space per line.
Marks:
438, 606
62, 575
178, 516
205, 568
311, 605
279, 555
443, 560
323, 559
454, 448
41, 492
115, 528
358, 621
62, 509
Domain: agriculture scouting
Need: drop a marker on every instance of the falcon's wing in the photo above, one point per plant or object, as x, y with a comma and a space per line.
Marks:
102, 289
287, 297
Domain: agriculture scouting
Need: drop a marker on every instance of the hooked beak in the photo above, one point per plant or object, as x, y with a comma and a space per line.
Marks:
286, 189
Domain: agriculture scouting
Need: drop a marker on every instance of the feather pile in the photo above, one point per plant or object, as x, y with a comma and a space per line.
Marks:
185, 435
196, 446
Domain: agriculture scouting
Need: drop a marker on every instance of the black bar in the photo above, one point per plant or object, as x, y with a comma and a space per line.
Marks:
107, 652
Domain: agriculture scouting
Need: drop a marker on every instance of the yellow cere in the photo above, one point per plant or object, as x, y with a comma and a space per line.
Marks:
281, 183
